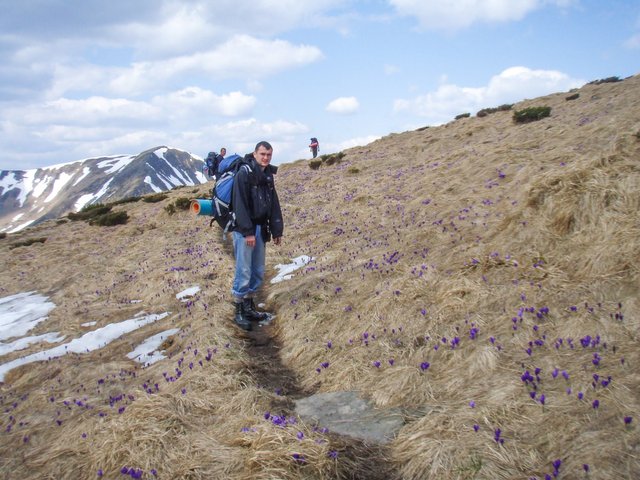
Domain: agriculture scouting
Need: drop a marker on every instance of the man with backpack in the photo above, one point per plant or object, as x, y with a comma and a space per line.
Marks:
258, 219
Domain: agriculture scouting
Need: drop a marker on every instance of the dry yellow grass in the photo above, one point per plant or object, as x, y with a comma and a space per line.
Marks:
462, 246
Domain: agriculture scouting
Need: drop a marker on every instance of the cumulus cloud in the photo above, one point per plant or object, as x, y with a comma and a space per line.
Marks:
511, 85
241, 56
193, 100
343, 105
457, 14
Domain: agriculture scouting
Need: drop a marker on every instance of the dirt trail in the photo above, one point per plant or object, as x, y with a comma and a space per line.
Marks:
362, 460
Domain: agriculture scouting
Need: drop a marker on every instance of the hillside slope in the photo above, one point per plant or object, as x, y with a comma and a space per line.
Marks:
482, 275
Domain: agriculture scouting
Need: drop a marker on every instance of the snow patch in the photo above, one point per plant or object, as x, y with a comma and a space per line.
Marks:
285, 271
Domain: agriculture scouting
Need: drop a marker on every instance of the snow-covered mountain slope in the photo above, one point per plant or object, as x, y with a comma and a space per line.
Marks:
31, 196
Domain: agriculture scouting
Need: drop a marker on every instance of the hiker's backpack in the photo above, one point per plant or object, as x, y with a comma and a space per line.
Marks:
210, 164
223, 190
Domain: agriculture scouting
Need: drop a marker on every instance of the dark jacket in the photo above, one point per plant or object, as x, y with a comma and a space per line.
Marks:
216, 164
255, 201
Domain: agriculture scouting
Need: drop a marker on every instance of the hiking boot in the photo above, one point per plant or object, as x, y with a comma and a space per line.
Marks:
241, 317
263, 318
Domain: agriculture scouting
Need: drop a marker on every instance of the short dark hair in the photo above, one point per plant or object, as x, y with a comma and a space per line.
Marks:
264, 144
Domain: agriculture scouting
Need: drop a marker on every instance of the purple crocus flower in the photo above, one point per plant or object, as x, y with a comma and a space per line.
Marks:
424, 366
628, 420
596, 403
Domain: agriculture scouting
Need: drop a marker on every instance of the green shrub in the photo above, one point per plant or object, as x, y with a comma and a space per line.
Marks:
183, 203
125, 200
486, 111
573, 97
531, 114
28, 242
605, 80
170, 209
353, 170
463, 115
90, 211
110, 219
315, 164
154, 197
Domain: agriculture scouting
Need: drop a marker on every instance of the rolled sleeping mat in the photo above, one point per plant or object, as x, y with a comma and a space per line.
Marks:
201, 206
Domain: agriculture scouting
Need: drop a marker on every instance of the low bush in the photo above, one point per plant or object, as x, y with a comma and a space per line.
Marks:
605, 80
110, 219
183, 203
486, 111
353, 170
28, 242
170, 209
154, 197
463, 115
531, 114
573, 97
315, 164
90, 211
125, 200
3, 235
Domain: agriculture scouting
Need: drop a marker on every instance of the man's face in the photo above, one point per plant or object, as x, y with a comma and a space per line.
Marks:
263, 156
223, 151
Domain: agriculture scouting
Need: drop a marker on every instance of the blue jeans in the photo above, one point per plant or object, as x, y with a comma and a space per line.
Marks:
249, 265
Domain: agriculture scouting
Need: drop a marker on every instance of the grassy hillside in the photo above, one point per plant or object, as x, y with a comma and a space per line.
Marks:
481, 275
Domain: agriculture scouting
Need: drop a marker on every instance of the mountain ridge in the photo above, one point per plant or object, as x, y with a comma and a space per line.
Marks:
28, 197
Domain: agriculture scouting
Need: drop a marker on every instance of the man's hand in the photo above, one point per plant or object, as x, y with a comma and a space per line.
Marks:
250, 240
276, 240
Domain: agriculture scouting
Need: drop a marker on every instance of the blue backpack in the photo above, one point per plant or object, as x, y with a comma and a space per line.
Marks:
223, 189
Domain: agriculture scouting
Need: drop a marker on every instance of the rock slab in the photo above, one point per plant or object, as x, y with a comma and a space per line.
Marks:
346, 413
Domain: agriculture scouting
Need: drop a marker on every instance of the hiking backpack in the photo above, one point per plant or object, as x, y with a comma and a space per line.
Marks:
223, 190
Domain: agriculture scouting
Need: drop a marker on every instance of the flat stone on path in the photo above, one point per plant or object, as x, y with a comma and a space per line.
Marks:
346, 413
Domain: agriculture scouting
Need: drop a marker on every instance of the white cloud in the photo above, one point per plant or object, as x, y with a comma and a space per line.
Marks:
633, 42
458, 14
193, 99
242, 56
343, 105
511, 85
391, 69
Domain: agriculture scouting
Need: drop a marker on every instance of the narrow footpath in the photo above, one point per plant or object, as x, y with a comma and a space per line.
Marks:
360, 460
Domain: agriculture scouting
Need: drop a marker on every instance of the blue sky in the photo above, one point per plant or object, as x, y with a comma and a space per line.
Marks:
85, 78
